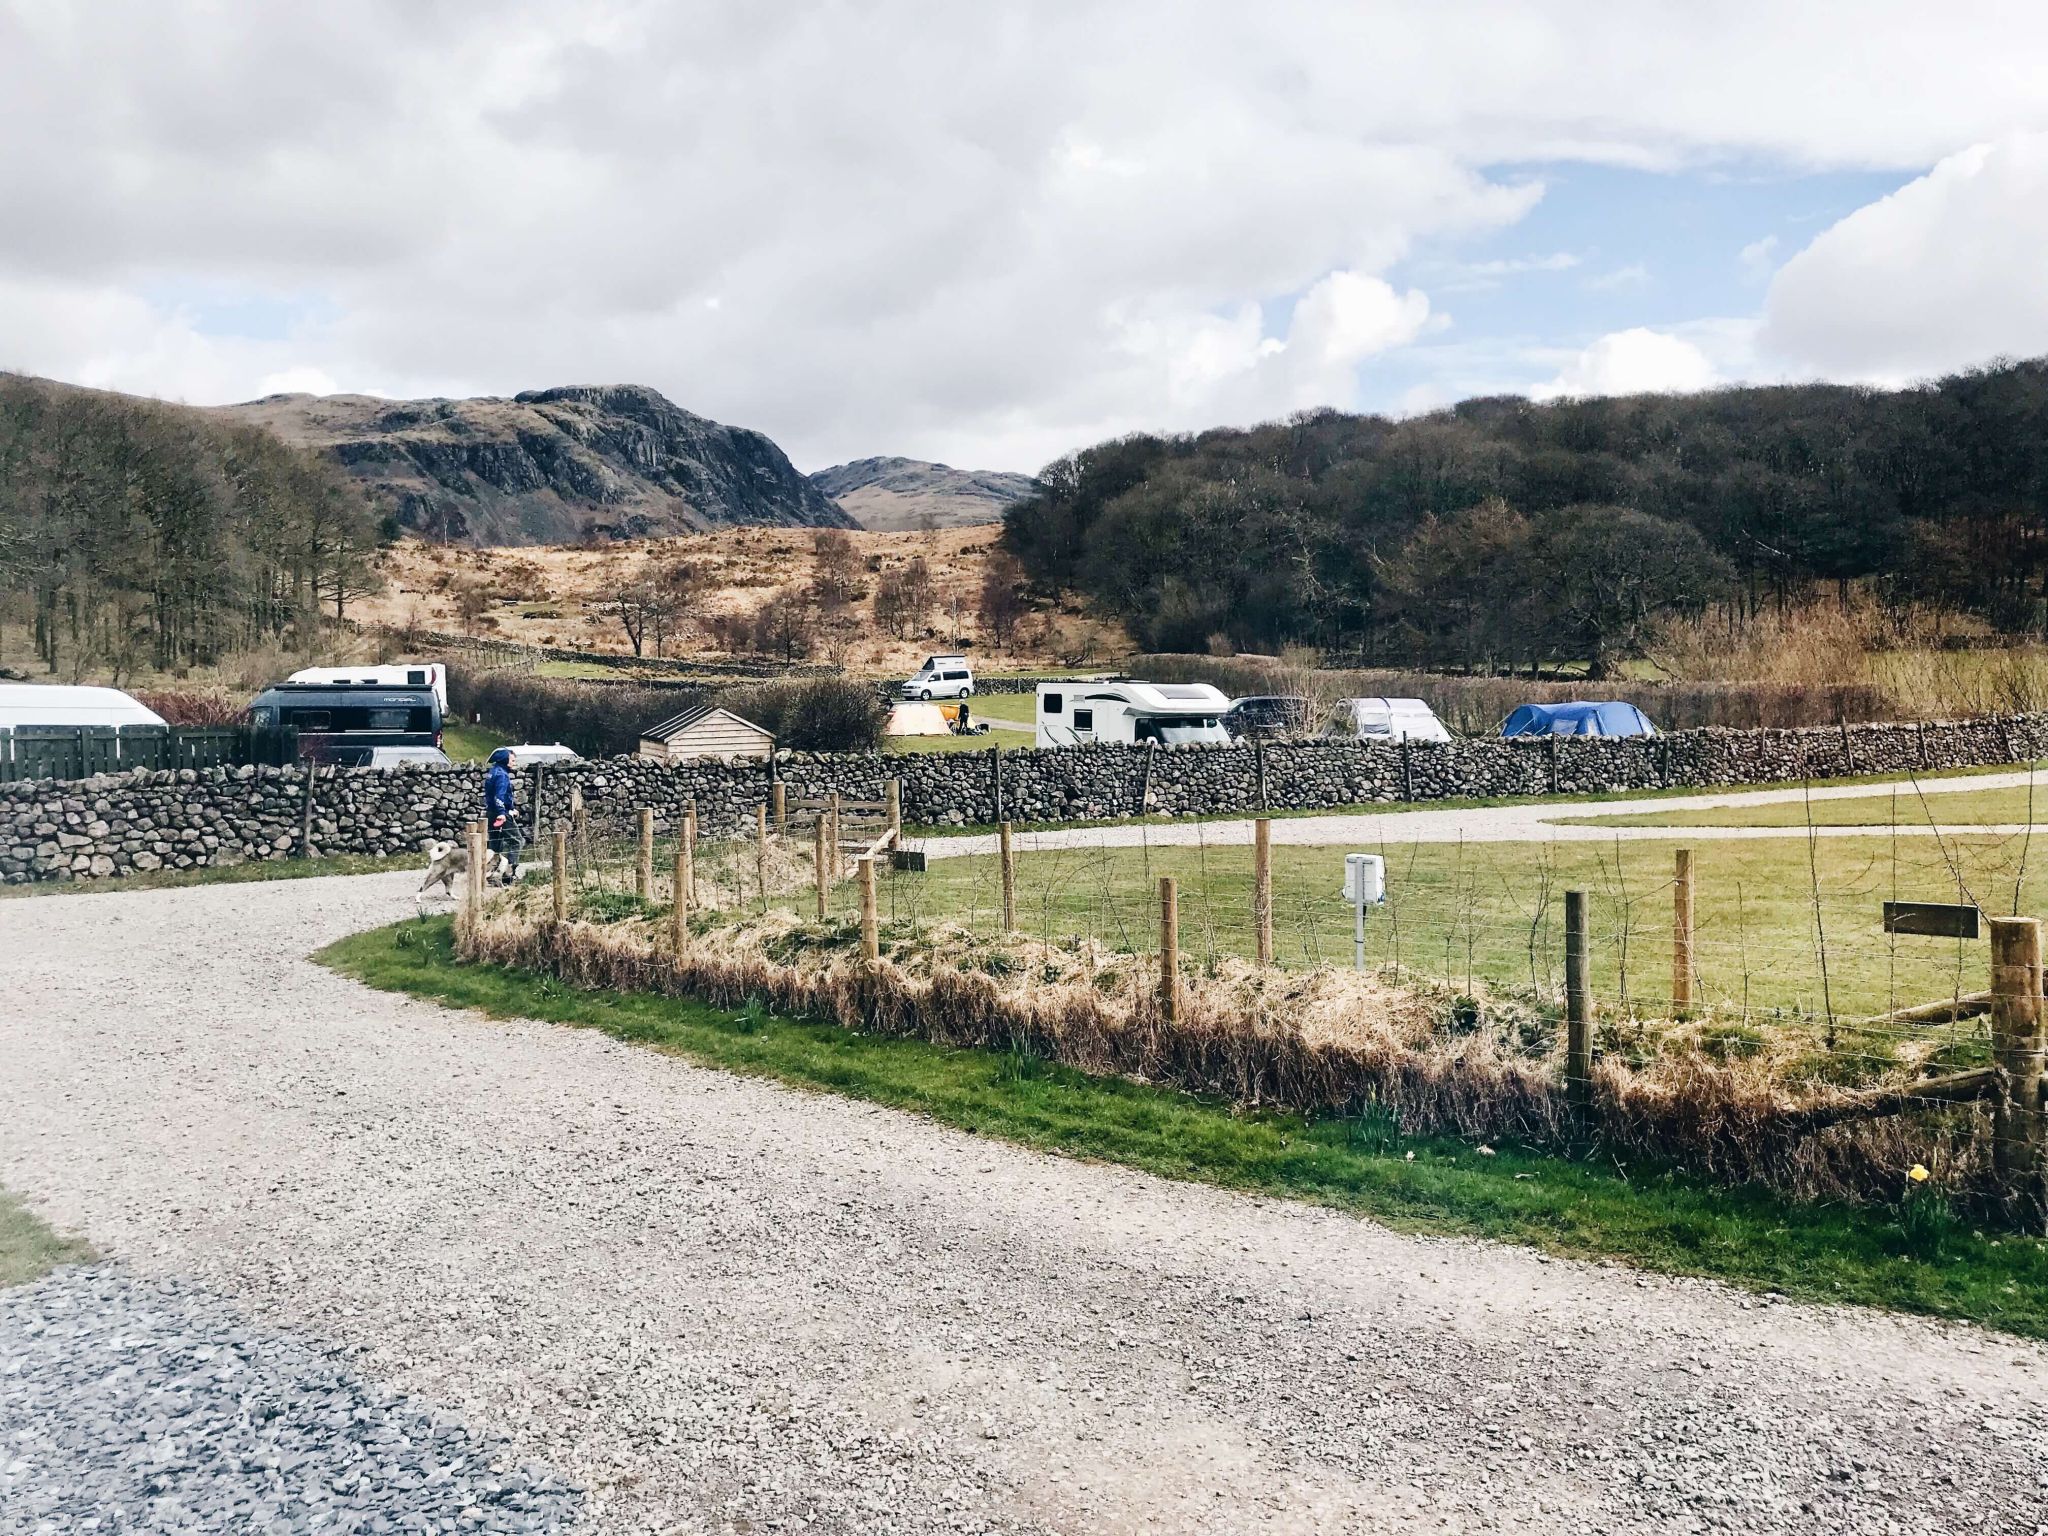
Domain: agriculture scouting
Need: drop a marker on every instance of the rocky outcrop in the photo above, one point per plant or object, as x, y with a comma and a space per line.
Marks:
892, 494
551, 466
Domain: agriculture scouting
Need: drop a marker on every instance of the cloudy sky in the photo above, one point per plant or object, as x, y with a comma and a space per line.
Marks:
992, 233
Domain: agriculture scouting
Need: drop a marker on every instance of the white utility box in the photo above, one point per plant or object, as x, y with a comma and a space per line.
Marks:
1365, 879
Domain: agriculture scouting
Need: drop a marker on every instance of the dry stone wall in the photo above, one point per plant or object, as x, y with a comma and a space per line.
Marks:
115, 824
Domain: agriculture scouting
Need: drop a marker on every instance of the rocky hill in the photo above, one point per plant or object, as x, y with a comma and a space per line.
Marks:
551, 466
893, 494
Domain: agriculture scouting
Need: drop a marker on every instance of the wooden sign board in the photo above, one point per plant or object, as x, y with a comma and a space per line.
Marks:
1932, 918
908, 858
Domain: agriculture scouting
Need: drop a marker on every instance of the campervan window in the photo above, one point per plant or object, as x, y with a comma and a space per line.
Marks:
1170, 729
417, 676
388, 720
1055, 702
311, 719
1084, 719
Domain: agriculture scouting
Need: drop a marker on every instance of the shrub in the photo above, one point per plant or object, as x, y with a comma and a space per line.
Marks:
813, 714
596, 719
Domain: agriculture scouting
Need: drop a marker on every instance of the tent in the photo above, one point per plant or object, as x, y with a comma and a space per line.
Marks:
1612, 718
916, 720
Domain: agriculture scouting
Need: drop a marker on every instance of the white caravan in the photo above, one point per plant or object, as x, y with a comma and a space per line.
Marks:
1386, 720
1172, 714
35, 704
400, 674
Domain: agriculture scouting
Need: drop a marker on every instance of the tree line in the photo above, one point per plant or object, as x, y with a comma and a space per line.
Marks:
137, 535
1502, 531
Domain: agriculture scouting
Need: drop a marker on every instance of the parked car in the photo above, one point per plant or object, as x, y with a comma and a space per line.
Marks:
1267, 714
1610, 718
1171, 714
941, 677
400, 757
1386, 720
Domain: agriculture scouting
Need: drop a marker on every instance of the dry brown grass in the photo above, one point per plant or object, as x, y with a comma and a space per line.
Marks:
1324, 1041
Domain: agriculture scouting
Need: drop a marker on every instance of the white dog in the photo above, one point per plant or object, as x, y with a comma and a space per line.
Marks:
446, 861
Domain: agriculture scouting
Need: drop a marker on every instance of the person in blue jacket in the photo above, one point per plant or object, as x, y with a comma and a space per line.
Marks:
501, 812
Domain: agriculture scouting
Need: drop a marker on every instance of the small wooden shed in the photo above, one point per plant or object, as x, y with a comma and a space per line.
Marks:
705, 731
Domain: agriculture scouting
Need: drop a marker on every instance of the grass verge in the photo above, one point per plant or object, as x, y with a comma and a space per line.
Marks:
1919, 1259
222, 874
28, 1248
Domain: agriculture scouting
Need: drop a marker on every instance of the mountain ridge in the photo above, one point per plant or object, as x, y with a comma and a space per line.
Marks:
893, 494
549, 466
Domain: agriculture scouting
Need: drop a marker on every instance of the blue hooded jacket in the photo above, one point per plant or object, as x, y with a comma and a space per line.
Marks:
498, 799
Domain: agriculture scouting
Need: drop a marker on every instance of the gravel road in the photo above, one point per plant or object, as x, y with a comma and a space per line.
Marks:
1527, 822
722, 1306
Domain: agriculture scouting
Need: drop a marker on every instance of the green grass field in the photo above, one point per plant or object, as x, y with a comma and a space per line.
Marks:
28, 1248
1917, 1259
1780, 927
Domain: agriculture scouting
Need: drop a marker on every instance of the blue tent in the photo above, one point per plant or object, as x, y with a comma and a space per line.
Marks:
1612, 718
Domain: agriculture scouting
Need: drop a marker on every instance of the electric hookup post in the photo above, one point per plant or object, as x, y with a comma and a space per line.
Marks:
1365, 885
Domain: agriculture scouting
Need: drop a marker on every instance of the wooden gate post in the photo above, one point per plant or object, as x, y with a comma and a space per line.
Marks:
1169, 950
761, 852
870, 917
579, 824
561, 872
685, 889
476, 867
892, 795
306, 813
779, 794
643, 870
1578, 1006
689, 841
1009, 865
1681, 934
1262, 886
818, 858
2019, 1148
832, 847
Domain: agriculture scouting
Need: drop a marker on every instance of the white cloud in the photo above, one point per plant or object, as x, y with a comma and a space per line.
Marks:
982, 234
1946, 272
1759, 258
1622, 279
1637, 361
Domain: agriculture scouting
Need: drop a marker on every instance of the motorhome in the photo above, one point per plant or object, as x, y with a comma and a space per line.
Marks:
343, 722
398, 674
1386, 720
1171, 714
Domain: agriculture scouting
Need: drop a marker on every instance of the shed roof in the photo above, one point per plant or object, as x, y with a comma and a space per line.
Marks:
675, 725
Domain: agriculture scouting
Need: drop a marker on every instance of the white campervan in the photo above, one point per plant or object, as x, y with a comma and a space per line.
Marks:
941, 677
1172, 714
1386, 720
38, 704
399, 674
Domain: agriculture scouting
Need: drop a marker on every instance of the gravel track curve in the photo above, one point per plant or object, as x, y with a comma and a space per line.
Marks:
718, 1305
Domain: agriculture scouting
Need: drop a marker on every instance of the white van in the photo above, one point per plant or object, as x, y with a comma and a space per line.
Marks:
941, 677
1171, 714
66, 704
1386, 720
400, 674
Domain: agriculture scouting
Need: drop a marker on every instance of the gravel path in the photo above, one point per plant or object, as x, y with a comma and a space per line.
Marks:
1530, 822
152, 1407
722, 1306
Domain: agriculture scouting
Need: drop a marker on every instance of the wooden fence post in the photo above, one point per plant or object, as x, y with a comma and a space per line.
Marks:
476, 867
689, 841
1169, 950
1578, 1006
818, 852
779, 793
892, 795
561, 872
1262, 886
2019, 1148
579, 823
761, 853
832, 842
306, 813
1009, 863
1681, 934
643, 870
685, 888
870, 918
